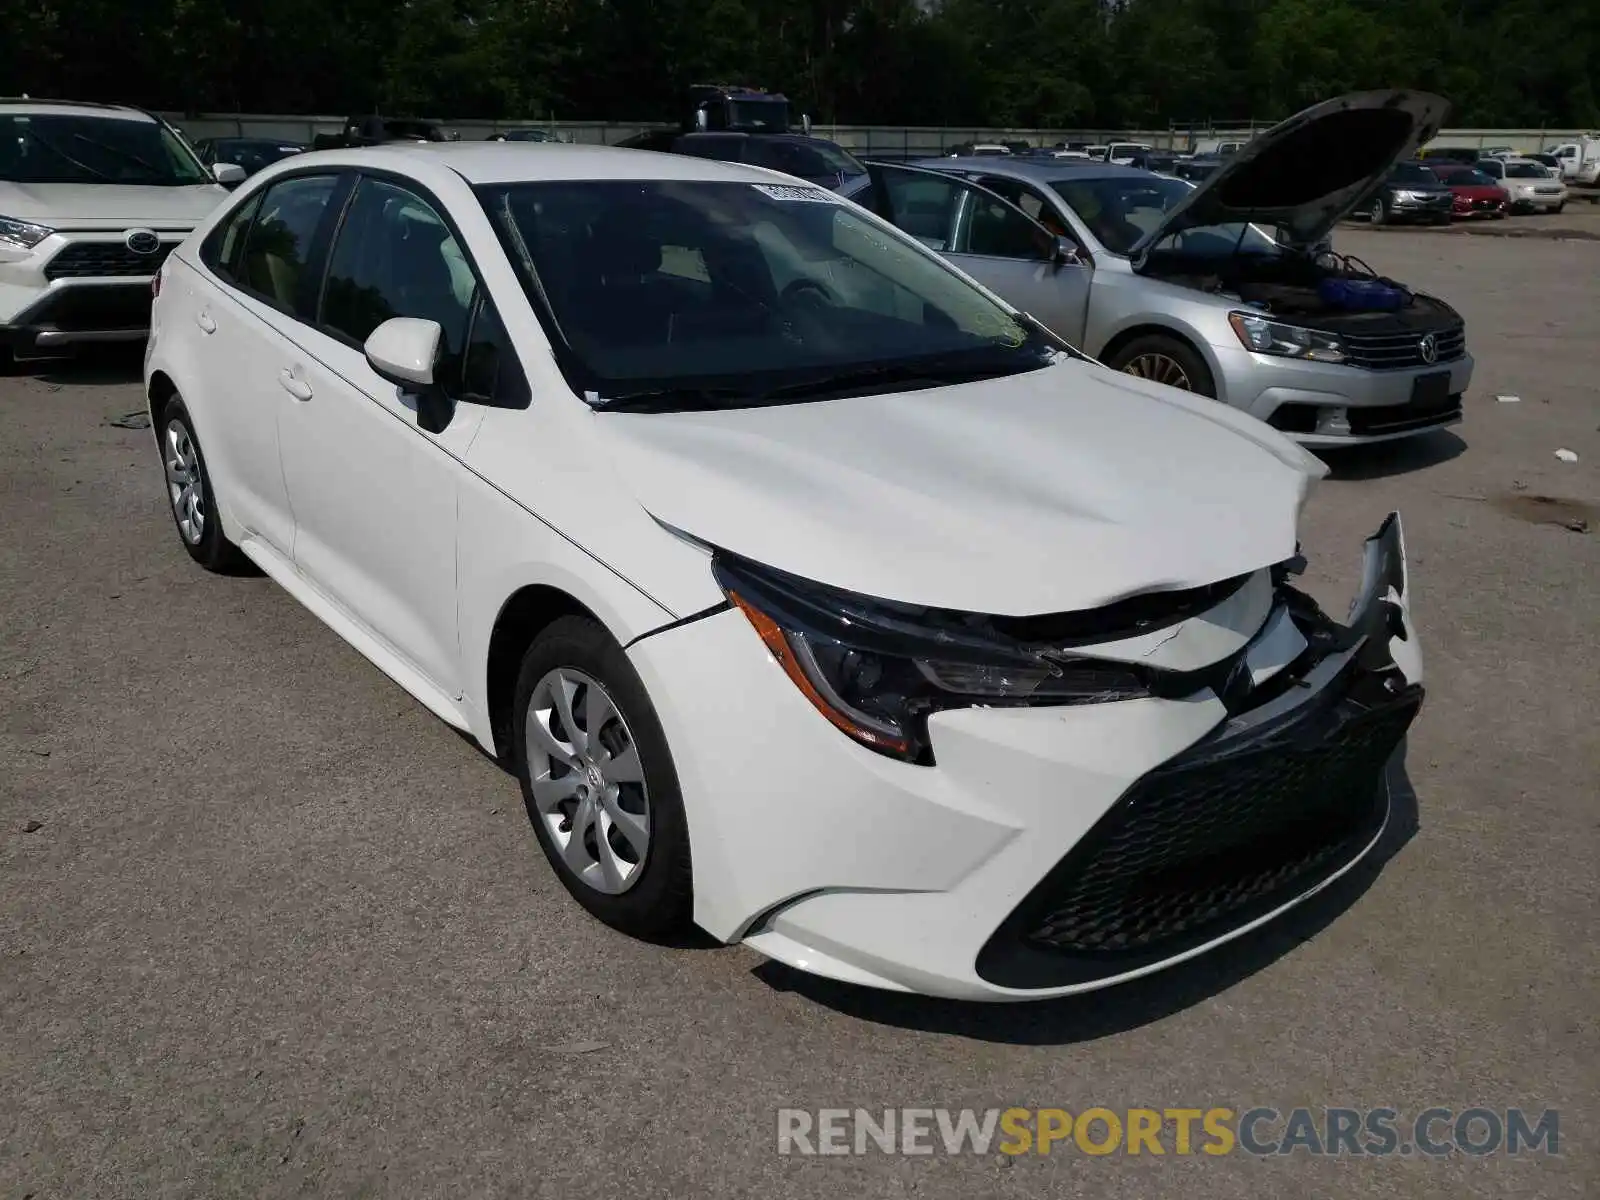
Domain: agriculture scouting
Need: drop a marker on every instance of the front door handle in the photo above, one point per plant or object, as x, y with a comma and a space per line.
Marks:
294, 385
203, 319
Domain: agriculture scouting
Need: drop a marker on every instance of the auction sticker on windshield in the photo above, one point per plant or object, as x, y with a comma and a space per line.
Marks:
807, 195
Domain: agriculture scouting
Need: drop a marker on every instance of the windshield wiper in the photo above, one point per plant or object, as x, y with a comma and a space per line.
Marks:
672, 399
119, 152
62, 154
935, 372
910, 374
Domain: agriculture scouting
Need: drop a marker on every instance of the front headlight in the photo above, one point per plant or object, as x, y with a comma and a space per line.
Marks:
24, 235
875, 669
1273, 337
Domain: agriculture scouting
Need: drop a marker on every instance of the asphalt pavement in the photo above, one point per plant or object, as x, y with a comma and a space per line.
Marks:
267, 928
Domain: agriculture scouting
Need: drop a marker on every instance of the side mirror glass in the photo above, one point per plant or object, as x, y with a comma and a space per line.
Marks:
805, 122
700, 119
228, 174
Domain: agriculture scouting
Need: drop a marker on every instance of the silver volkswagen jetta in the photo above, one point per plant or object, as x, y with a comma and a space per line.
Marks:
1227, 288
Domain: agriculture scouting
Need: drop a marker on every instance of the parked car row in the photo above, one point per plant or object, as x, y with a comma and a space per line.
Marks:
1574, 164
1440, 189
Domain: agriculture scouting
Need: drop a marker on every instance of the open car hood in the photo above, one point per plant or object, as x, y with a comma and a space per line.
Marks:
1306, 173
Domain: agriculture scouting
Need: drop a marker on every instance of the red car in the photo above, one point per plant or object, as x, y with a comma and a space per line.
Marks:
1476, 194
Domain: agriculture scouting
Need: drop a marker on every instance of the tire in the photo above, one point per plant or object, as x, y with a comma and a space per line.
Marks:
1378, 214
1141, 357
1559, 207
652, 896
191, 496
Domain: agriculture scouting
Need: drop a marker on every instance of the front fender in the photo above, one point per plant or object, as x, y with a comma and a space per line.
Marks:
502, 549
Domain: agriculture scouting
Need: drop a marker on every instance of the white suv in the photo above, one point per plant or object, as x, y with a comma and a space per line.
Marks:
92, 198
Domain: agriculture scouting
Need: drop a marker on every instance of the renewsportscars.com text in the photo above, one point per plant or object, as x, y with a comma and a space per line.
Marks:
1432, 1132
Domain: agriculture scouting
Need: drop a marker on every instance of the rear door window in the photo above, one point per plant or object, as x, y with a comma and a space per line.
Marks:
224, 244
278, 247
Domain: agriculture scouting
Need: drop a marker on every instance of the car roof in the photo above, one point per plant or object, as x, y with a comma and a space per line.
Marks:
1037, 170
531, 162
72, 108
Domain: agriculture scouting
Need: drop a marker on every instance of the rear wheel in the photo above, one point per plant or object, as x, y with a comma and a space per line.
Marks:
598, 781
1165, 359
190, 493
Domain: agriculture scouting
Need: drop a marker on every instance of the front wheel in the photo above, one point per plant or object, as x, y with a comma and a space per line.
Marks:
1560, 206
1165, 359
1378, 214
598, 781
190, 492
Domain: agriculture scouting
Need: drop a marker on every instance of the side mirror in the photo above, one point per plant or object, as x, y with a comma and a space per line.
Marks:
403, 351
700, 119
805, 122
228, 174
1065, 253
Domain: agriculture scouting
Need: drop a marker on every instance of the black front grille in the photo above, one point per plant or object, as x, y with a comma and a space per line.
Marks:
101, 307
1223, 834
1395, 350
104, 260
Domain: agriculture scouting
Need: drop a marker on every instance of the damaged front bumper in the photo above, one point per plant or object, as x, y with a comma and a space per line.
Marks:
1282, 798
1049, 850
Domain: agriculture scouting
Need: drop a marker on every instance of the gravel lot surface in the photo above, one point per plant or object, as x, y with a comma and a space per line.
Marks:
279, 932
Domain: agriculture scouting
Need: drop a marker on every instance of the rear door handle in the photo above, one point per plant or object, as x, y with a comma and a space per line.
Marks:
203, 319
294, 385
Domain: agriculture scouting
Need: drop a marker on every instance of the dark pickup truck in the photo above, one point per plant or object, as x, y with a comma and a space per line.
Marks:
375, 131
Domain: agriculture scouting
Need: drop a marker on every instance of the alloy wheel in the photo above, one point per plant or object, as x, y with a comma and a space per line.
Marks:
587, 782
185, 487
1160, 368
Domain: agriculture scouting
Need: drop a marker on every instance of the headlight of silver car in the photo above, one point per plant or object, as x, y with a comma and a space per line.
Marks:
1265, 336
22, 235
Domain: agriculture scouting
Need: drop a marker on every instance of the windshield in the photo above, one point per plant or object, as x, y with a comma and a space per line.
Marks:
50, 148
738, 290
1467, 177
758, 114
1412, 173
1122, 210
1524, 171
808, 160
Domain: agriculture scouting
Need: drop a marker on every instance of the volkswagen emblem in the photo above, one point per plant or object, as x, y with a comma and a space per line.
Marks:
1428, 347
145, 241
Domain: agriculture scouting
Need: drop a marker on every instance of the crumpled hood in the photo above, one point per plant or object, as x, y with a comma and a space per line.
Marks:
109, 205
1060, 489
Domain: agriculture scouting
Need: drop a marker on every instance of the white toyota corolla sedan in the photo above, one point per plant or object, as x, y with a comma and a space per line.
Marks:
814, 595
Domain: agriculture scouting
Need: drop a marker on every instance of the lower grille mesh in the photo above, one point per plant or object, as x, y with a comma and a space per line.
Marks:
1222, 834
